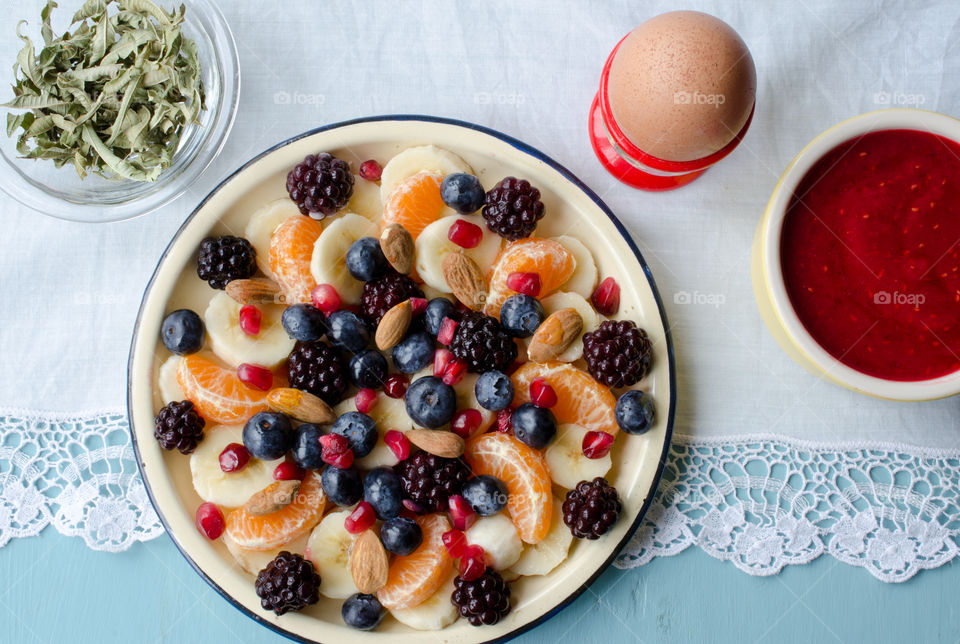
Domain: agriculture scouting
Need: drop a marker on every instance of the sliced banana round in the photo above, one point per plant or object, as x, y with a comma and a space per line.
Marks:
585, 275
216, 486
389, 413
268, 348
433, 245
421, 158
253, 561
541, 558
167, 383
499, 539
261, 226
568, 300
329, 549
365, 200
467, 399
329, 262
566, 462
434, 613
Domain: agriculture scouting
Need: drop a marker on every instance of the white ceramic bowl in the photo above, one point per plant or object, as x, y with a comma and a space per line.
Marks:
571, 207
770, 289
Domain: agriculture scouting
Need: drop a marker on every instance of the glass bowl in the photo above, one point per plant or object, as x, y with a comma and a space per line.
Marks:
60, 193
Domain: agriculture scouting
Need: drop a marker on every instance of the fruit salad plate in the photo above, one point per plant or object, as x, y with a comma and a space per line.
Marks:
401, 379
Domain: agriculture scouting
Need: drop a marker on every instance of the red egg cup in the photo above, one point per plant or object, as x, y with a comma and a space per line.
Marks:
630, 164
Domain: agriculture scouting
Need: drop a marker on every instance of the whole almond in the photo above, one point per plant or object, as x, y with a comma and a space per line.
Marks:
393, 325
272, 498
437, 442
554, 335
255, 290
302, 405
369, 563
398, 247
465, 279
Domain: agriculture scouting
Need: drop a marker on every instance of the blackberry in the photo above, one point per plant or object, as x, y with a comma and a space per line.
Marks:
485, 600
289, 582
318, 368
618, 353
483, 343
320, 185
591, 508
179, 426
430, 480
381, 295
227, 258
513, 208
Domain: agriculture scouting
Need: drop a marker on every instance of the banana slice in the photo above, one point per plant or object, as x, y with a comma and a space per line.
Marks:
433, 245
216, 486
566, 462
365, 200
541, 558
170, 390
585, 275
261, 226
433, 614
390, 413
253, 561
329, 550
499, 539
329, 262
467, 399
421, 158
268, 348
569, 300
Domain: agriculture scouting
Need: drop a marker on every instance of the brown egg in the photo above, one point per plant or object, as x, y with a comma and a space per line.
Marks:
682, 85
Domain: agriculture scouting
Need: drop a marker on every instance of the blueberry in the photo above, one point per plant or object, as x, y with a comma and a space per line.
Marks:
494, 390
462, 192
534, 425
401, 535
348, 331
343, 487
359, 429
362, 612
635, 412
437, 309
268, 435
368, 369
430, 403
306, 447
521, 314
414, 352
382, 490
365, 260
304, 322
486, 494
182, 332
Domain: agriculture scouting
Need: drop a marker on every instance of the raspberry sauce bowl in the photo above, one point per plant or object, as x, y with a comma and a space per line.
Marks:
855, 266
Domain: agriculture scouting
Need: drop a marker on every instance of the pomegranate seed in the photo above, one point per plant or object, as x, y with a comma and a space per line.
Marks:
210, 521
413, 506
250, 318
505, 420
526, 283
326, 298
464, 234
473, 562
461, 514
465, 422
441, 358
454, 372
371, 170
361, 519
447, 328
542, 394
398, 443
366, 399
418, 305
288, 471
396, 385
454, 541
234, 458
255, 377
334, 444
342, 461
597, 444
353, 308
606, 298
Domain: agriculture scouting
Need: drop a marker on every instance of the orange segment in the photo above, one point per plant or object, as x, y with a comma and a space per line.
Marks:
545, 257
291, 248
415, 203
414, 578
272, 530
580, 399
526, 476
219, 395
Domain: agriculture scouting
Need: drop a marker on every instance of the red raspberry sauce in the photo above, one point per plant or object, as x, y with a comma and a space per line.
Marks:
870, 251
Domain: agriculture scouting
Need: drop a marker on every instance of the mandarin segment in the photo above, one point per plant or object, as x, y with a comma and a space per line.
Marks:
291, 522
217, 392
414, 578
291, 250
415, 203
547, 258
581, 400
